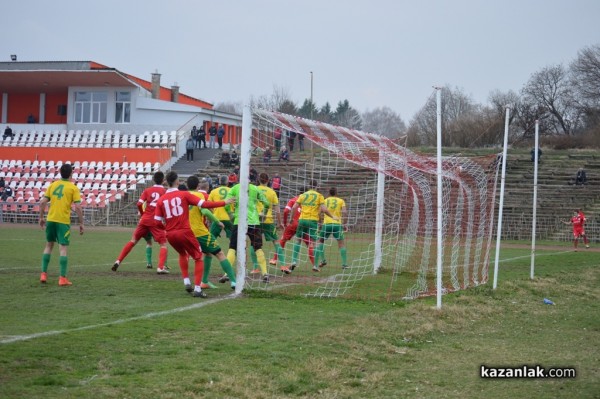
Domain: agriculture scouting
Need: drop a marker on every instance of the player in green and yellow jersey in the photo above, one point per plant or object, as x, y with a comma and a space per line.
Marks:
208, 242
268, 217
313, 204
335, 227
219, 194
61, 194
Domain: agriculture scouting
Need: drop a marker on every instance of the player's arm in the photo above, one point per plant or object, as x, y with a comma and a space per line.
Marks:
328, 213
278, 216
43, 205
79, 212
286, 212
211, 216
159, 218
294, 209
140, 206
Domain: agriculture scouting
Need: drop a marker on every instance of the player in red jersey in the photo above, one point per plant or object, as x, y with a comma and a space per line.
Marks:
578, 221
290, 231
147, 225
172, 209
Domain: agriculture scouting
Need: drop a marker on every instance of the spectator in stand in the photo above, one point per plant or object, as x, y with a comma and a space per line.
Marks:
291, 137
300, 140
212, 135
235, 158
194, 135
189, 149
267, 155
220, 135
31, 118
8, 133
201, 137
284, 155
2, 182
277, 138
581, 178
225, 159
533, 154
6, 193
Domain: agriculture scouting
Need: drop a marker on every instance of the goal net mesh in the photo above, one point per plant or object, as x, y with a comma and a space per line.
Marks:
390, 239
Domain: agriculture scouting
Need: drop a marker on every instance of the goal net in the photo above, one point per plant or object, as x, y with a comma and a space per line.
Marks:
389, 246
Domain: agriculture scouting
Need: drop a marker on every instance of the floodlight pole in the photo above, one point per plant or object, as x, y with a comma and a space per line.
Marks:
535, 187
242, 204
501, 205
439, 197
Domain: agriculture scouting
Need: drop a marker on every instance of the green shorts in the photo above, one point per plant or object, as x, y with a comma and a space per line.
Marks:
58, 232
329, 229
215, 229
208, 244
269, 231
308, 227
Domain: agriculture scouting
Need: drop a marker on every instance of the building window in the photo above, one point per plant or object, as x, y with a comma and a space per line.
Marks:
91, 106
123, 107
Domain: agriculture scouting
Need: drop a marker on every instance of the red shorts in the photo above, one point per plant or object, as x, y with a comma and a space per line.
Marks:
578, 233
151, 227
185, 243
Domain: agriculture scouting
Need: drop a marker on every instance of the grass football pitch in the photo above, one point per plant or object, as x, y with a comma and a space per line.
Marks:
134, 334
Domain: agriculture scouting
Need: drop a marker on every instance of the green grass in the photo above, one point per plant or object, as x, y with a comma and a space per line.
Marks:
114, 342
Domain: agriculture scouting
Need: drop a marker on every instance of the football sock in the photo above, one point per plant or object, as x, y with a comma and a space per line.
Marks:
207, 264
262, 262
125, 251
149, 254
162, 257
279, 254
296, 250
311, 253
62, 261
344, 256
231, 256
198, 271
253, 258
183, 265
318, 254
45, 262
228, 269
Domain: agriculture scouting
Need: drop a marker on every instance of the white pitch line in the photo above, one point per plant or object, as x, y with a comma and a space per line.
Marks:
17, 338
536, 255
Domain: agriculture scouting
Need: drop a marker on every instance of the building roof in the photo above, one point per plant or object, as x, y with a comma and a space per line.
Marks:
58, 76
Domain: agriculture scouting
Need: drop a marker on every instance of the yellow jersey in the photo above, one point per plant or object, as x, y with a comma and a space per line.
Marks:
197, 219
311, 202
61, 193
335, 206
219, 194
272, 198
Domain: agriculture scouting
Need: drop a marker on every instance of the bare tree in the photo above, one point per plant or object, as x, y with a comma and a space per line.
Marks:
383, 121
585, 81
548, 96
229, 107
455, 105
276, 101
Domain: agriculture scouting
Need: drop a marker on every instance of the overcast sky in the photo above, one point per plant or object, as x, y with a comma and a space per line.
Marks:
373, 53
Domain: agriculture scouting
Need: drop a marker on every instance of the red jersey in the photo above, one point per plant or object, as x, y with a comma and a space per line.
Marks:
173, 208
577, 222
149, 197
582, 217
289, 207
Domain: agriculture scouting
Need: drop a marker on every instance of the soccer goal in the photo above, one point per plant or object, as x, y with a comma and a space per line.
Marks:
390, 224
